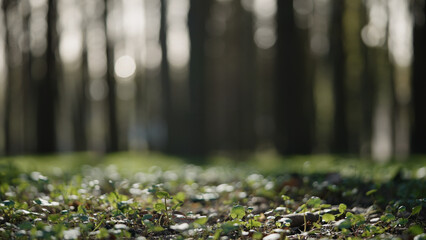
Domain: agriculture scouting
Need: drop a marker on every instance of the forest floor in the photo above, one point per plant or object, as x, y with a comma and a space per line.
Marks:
151, 196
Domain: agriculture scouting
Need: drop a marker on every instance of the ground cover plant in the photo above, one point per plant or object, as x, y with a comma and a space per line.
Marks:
155, 197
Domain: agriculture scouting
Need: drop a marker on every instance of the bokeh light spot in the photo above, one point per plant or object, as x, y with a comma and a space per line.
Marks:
125, 67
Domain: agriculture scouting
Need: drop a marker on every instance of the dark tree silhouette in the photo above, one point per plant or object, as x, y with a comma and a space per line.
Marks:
166, 84
197, 17
28, 84
47, 88
81, 103
246, 81
367, 88
340, 129
229, 80
9, 82
418, 83
294, 117
112, 131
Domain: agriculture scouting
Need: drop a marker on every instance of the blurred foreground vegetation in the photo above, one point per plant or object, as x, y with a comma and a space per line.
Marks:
154, 196
265, 163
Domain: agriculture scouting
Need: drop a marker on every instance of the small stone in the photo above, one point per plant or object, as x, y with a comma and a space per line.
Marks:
180, 227
273, 236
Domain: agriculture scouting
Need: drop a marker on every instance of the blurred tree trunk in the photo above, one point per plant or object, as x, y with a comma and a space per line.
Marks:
28, 85
81, 102
384, 111
340, 130
368, 88
197, 18
294, 111
167, 106
47, 89
8, 91
230, 85
418, 83
112, 145
165, 79
246, 88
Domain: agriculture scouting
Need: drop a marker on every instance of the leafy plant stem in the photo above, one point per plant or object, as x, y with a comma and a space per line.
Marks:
99, 224
167, 215
304, 219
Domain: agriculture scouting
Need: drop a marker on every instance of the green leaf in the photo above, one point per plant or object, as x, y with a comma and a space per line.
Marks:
345, 224
157, 229
358, 220
201, 220
314, 202
302, 208
217, 234
229, 227
238, 212
371, 192
148, 224
323, 206
416, 229
257, 235
285, 221
317, 225
123, 204
402, 221
103, 233
387, 217
285, 197
147, 217
253, 223
54, 217
9, 203
162, 194
328, 217
180, 196
349, 215
160, 207
83, 217
58, 229
177, 205
25, 226
342, 208
81, 210
416, 210
85, 227
402, 209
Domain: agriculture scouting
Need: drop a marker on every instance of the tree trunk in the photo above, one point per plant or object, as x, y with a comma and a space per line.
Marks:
112, 144
81, 103
8, 88
418, 83
47, 89
340, 131
294, 114
167, 106
367, 88
27, 88
246, 85
197, 17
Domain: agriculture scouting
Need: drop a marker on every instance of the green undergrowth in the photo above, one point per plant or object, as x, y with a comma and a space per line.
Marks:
265, 163
262, 196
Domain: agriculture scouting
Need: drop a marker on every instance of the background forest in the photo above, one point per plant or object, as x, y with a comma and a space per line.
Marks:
191, 77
